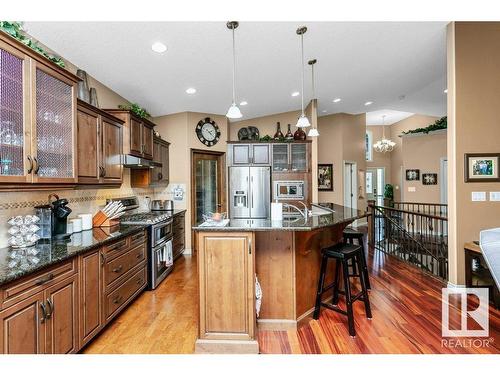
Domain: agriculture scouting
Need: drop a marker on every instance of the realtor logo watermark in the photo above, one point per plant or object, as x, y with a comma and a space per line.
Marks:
479, 315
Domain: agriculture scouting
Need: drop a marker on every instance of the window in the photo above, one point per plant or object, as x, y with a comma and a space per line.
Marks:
369, 145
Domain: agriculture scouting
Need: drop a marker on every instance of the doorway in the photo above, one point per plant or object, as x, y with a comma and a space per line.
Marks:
375, 183
208, 184
350, 185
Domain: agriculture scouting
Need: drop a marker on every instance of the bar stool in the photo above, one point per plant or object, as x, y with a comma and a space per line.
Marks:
350, 235
342, 253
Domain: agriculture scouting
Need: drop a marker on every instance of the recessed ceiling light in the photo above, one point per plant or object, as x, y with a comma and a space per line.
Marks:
295, 93
446, 91
244, 102
368, 103
159, 47
191, 90
336, 100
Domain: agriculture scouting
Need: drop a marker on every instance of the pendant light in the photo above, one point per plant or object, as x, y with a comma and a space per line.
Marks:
313, 132
303, 121
233, 111
384, 145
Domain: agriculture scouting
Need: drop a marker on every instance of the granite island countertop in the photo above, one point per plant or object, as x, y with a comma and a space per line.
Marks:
17, 263
340, 215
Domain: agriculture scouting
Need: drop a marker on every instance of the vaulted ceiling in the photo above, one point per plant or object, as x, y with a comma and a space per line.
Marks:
397, 66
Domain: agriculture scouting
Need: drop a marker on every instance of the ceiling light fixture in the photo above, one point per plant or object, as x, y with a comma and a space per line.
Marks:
384, 145
303, 121
158, 47
336, 100
295, 93
233, 111
313, 132
244, 102
368, 103
191, 91
445, 91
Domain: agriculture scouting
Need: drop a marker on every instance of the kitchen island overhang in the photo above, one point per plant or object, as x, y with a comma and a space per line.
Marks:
284, 255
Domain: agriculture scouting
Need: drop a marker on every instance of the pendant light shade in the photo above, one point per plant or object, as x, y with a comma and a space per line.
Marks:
303, 121
313, 132
233, 111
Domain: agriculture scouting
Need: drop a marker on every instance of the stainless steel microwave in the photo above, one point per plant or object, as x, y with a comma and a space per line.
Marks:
288, 190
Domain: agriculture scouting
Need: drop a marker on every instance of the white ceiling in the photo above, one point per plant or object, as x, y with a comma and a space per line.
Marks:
391, 117
357, 61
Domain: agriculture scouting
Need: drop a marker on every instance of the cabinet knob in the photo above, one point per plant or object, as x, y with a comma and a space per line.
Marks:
118, 269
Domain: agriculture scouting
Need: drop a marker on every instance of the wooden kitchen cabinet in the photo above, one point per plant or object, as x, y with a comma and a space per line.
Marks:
179, 234
159, 175
38, 117
22, 329
99, 146
137, 134
226, 270
291, 157
61, 324
91, 320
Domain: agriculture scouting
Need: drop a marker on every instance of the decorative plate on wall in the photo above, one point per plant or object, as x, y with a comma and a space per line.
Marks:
412, 174
429, 178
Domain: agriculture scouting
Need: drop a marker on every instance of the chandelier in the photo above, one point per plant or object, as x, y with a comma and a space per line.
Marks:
384, 145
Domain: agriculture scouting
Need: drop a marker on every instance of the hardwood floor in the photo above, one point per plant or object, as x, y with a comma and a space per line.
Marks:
406, 308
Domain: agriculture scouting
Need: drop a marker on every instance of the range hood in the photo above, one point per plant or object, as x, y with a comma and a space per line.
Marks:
134, 162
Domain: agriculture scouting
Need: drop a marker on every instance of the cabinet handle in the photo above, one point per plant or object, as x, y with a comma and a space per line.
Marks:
44, 280
37, 168
102, 259
117, 246
139, 281
117, 300
118, 269
51, 307
139, 256
137, 236
250, 246
30, 169
44, 312
103, 171
160, 176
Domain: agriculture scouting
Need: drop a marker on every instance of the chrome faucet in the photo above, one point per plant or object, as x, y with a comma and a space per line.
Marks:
304, 213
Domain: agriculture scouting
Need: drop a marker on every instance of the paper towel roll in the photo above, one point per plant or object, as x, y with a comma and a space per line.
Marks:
276, 211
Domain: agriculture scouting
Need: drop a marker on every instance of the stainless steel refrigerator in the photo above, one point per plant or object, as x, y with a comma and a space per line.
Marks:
250, 192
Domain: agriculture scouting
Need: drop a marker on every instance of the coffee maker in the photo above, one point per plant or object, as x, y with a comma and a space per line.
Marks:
60, 213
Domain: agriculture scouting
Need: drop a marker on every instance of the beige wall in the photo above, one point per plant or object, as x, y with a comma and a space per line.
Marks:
179, 130
473, 126
409, 123
342, 139
423, 152
266, 124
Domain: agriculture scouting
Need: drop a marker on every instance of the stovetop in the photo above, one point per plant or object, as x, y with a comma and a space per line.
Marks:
145, 217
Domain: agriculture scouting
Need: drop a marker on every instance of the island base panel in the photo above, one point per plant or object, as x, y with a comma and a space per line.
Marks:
226, 347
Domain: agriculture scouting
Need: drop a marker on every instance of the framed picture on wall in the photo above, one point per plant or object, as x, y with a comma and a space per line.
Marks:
412, 174
325, 177
429, 178
481, 167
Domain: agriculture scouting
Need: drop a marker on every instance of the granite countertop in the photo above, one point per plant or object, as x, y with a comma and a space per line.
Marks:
340, 215
16, 263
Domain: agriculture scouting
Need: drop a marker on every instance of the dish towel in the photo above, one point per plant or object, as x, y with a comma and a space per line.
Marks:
258, 296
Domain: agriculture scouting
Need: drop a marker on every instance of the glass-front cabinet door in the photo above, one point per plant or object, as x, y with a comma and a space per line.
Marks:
15, 162
298, 157
54, 103
280, 157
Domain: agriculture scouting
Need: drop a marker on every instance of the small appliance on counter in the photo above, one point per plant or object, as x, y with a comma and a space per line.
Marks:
54, 218
159, 205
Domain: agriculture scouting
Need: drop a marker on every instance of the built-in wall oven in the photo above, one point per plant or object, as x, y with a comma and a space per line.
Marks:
161, 260
288, 190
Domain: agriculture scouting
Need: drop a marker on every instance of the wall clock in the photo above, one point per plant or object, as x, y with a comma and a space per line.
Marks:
208, 132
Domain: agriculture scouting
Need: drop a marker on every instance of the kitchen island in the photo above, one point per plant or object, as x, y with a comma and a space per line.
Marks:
285, 258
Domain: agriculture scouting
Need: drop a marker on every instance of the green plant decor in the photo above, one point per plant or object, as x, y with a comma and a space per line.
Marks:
136, 109
442, 123
389, 191
15, 30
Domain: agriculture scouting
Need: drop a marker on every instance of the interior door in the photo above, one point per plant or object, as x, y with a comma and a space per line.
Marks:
371, 183
112, 147
350, 198
15, 156
55, 133
207, 177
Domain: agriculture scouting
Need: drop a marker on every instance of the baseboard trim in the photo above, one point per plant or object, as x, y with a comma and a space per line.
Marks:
226, 347
276, 324
454, 286
187, 252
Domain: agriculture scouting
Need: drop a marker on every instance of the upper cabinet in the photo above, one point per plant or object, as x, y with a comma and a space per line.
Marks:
291, 157
249, 154
37, 118
137, 134
100, 146
159, 174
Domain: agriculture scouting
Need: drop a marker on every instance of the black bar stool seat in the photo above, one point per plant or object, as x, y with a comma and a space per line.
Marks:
342, 253
351, 234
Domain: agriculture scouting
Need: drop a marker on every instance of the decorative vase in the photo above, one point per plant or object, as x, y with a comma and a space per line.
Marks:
93, 97
299, 135
83, 86
289, 135
278, 135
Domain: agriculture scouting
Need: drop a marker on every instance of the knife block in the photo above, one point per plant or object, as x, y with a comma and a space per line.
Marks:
100, 219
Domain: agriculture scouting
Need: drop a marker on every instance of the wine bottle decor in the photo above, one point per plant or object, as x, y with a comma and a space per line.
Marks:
299, 135
289, 134
278, 135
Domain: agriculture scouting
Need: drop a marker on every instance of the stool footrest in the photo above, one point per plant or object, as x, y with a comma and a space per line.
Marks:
333, 307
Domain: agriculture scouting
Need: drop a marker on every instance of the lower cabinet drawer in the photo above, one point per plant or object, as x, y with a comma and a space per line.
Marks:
119, 298
123, 263
138, 239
